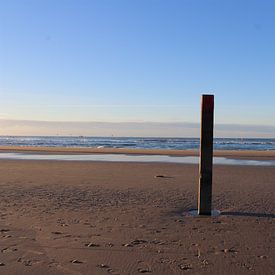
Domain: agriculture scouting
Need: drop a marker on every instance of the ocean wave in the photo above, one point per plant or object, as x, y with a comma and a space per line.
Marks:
140, 143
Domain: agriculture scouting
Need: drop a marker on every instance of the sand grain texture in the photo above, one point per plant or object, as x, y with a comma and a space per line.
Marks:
120, 218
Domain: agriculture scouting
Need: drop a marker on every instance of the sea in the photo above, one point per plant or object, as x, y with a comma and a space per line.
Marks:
137, 142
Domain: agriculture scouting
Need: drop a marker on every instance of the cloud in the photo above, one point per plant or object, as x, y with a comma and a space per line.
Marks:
245, 130
158, 129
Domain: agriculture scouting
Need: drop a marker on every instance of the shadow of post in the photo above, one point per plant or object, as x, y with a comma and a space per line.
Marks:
248, 214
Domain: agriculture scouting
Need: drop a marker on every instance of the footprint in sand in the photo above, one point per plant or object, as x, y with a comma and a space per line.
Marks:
24, 262
92, 245
4, 230
9, 249
144, 270
103, 266
57, 233
76, 262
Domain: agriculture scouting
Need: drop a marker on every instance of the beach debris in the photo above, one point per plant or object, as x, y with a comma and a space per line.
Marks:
76, 262
110, 244
92, 245
2, 264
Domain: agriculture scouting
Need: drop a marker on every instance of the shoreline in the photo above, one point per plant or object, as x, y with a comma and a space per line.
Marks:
237, 154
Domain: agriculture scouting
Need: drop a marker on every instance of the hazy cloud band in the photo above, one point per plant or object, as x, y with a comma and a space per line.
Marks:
179, 129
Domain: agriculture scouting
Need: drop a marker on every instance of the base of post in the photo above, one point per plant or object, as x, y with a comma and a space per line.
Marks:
195, 213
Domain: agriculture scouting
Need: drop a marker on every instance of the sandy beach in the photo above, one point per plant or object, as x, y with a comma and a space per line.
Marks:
121, 218
137, 137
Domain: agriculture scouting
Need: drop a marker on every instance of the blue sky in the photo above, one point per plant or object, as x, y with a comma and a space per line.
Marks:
137, 61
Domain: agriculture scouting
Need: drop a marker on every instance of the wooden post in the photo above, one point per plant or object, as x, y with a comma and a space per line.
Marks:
206, 155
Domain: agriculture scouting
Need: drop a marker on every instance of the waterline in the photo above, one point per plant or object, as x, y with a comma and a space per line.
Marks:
133, 158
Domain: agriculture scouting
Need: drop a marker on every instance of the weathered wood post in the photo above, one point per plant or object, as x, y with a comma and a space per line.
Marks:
206, 155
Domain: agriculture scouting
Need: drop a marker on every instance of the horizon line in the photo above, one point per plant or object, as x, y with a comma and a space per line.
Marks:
141, 137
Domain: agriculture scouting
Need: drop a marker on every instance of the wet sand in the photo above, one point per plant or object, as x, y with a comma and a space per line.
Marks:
261, 155
120, 218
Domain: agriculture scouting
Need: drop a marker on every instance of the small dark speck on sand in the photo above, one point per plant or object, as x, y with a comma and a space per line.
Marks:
163, 176
57, 233
144, 270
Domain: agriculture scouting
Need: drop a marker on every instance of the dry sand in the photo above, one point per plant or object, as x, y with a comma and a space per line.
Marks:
118, 218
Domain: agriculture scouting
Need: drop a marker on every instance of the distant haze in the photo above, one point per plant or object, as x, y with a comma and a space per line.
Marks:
128, 129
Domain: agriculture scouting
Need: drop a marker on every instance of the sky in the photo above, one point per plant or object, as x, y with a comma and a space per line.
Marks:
138, 61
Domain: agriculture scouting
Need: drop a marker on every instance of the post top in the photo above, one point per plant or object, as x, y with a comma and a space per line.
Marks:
208, 102
207, 95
